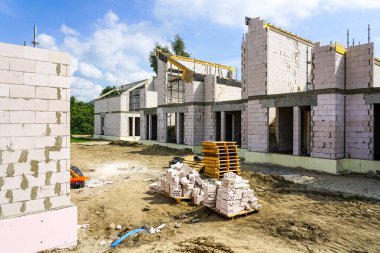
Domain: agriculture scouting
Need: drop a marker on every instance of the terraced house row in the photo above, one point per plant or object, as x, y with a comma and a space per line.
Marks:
298, 103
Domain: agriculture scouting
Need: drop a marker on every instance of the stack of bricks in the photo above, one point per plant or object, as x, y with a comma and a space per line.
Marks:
209, 190
230, 196
235, 195
34, 130
179, 182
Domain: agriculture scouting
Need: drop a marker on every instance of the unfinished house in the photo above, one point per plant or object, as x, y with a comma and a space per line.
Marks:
309, 105
36, 213
197, 101
117, 113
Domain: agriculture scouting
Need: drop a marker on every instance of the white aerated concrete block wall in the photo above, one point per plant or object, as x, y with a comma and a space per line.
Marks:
209, 124
376, 80
327, 127
328, 68
359, 128
360, 66
107, 105
244, 126
143, 126
34, 130
296, 130
161, 126
209, 88
256, 58
258, 129
226, 92
287, 64
34, 147
194, 123
160, 82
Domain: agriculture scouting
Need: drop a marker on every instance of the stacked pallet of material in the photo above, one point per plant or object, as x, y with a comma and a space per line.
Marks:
179, 182
235, 196
220, 158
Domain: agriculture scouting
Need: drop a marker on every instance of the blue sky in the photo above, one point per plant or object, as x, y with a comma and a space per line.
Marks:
110, 40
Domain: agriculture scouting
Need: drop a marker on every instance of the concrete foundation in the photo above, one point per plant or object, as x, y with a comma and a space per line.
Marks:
39, 231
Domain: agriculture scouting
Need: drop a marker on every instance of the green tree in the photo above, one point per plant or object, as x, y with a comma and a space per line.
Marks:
82, 117
178, 48
107, 89
152, 55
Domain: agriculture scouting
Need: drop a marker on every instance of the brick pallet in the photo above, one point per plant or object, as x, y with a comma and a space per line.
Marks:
220, 158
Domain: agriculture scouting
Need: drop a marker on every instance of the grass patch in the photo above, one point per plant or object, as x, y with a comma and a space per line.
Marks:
81, 139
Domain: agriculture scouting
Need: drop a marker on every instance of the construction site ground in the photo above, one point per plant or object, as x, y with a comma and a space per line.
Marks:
302, 211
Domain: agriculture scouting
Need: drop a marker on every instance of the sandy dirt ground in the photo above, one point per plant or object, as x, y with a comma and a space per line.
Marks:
302, 211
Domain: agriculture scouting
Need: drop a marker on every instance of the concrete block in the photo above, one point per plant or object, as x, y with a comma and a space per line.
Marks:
22, 117
59, 105
11, 50
35, 79
36, 54
4, 90
46, 117
23, 142
59, 57
47, 93
47, 68
22, 65
59, 81
22, 91
4, 63
4, 117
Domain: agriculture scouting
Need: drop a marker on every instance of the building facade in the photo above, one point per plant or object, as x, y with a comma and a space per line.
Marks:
117, 113
299, 103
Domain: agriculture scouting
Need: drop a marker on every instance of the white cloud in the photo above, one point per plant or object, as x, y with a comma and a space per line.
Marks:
46, 41
68, 30
89, 71
84, 89
114, 53
232, 13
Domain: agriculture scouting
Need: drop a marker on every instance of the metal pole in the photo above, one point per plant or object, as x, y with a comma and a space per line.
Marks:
34, 42
369, 33
348, 38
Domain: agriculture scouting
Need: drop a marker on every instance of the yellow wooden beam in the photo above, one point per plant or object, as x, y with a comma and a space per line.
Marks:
339, 48
288, 34
181, 58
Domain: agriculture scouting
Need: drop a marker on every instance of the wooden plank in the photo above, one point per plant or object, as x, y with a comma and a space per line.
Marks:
235, 215
177, 199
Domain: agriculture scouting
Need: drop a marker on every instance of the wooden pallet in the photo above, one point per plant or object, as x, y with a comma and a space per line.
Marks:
220, 158
197, 165
178, 199
235, 215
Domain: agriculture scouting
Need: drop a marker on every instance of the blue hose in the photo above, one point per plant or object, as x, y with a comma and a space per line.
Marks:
121, 239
